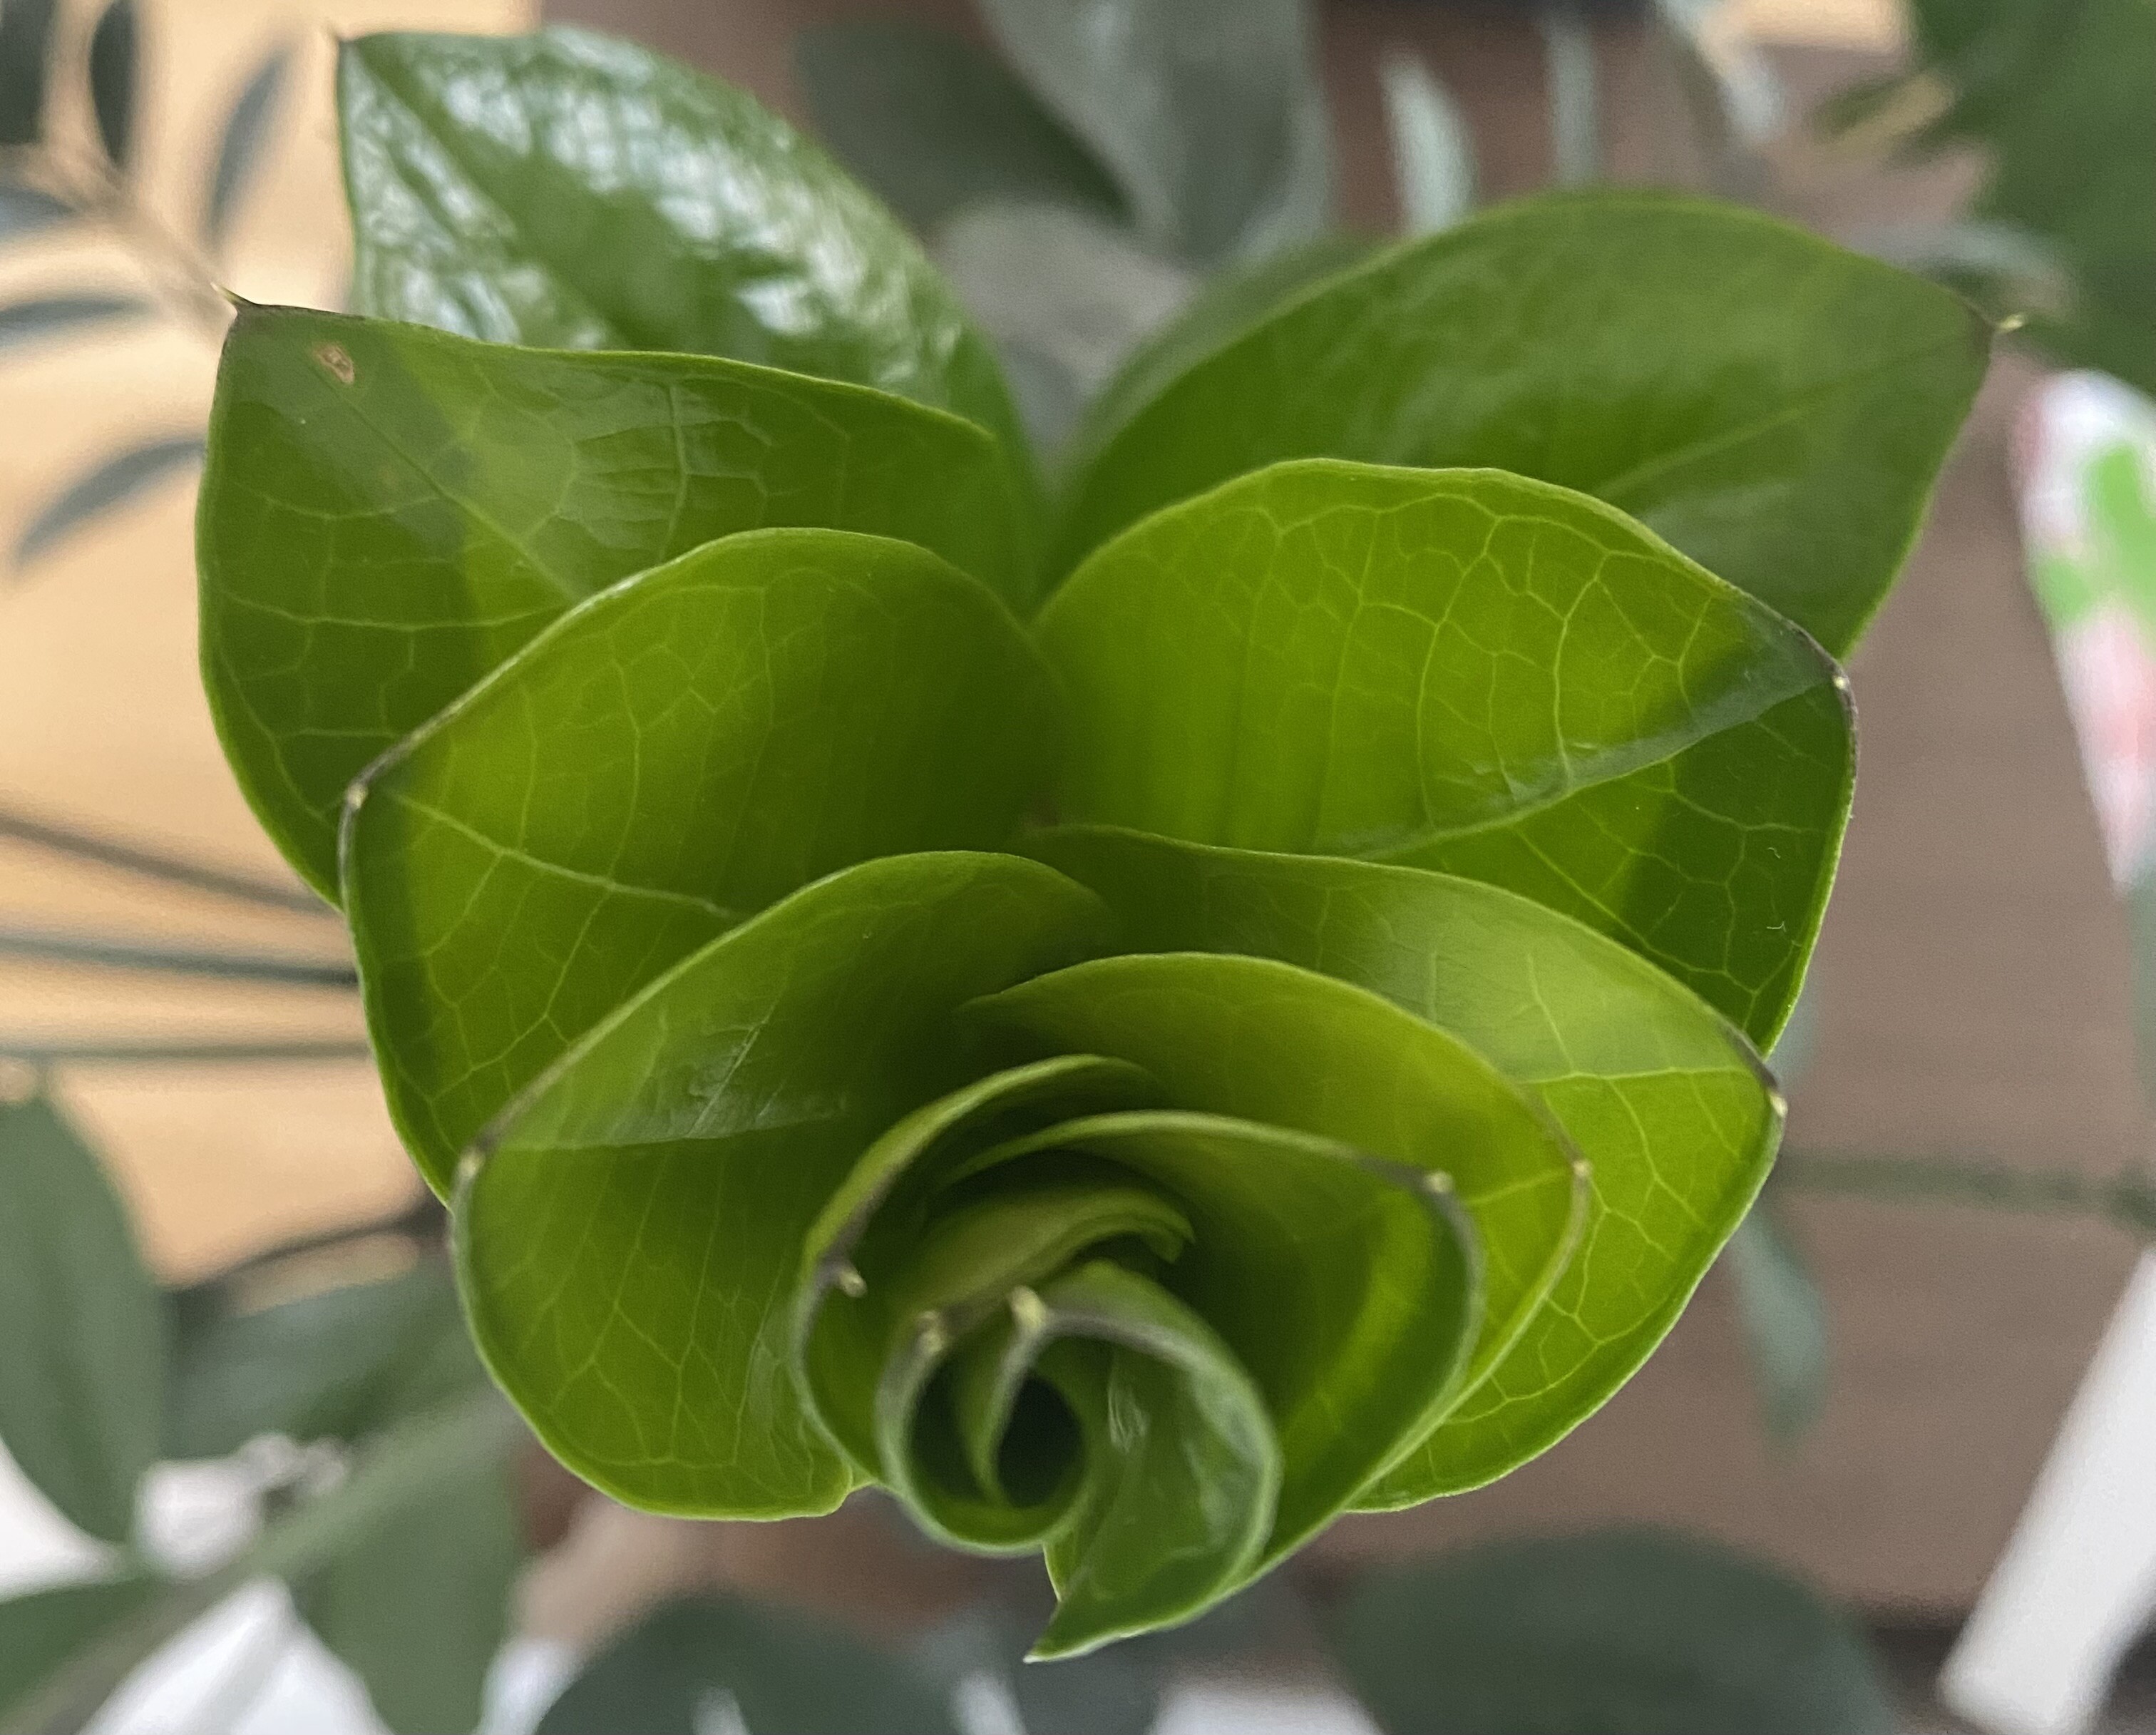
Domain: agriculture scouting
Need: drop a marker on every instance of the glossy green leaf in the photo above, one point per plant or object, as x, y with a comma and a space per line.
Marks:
26, 34
667, 759
82, 1356
1209, 113
115, 76
389, 513
239, 145
1473, 672
686, 1665
1669, 1105
1774, 406
571, 191
1257, 1041
630, 1241
1627, 1631
417, 1607
327, 1366
932, 122
109, 483
41, 1630
1184, 1469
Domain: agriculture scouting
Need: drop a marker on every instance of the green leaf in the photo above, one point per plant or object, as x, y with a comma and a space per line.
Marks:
40, 1630
1257, 1041
327, 1366
667, 759
1787, 442
571, 191
389, 513
82, 1359
1208, 113
114, 77
1668, 1104
1183, 1468
1631, 1632
110, 483
239, 145
690, 1662
1476, 672
933, 123
45, 315
631, 1233
1783, 1315
26, 34
417, 1607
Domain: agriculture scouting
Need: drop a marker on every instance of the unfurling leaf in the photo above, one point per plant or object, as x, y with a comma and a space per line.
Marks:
82, 1360
1268, 1032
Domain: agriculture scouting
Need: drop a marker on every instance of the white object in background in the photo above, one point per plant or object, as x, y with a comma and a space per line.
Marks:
2078, 1582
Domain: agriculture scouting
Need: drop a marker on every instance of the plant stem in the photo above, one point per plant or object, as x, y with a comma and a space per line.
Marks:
157, 864
2127, 1201
406, 1466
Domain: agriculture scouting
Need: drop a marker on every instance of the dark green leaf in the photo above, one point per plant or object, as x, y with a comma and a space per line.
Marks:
571, 191
47, 316
1472, 672
1784, 1319
417, 1607
683, 1667
1668, 1104
112, 482
82, 1359
758, 713
1787, 443
115, 76
27, 210
630, 1237
1630, 1633
1209, 113
389, 513
331, 1365
239, 145
42, 1628
26, 34
933, 123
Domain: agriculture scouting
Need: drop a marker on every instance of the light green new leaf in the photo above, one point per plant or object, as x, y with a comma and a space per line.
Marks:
934, 122
571, 191
82, 1352
1208, 112
1473, 672
1257, 1041
666, 760
388, 513
631, 1235
1773, 405
1668, 1104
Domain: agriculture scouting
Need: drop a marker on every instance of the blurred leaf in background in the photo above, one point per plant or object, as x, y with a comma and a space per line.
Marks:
1624, 1633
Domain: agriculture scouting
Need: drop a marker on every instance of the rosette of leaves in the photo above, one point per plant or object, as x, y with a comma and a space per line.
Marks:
1139, 1024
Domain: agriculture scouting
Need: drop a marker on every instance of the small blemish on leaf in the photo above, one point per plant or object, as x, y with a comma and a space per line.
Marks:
337, 360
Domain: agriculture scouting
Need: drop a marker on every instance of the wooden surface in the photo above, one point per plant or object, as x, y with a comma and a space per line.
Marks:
1972, 974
